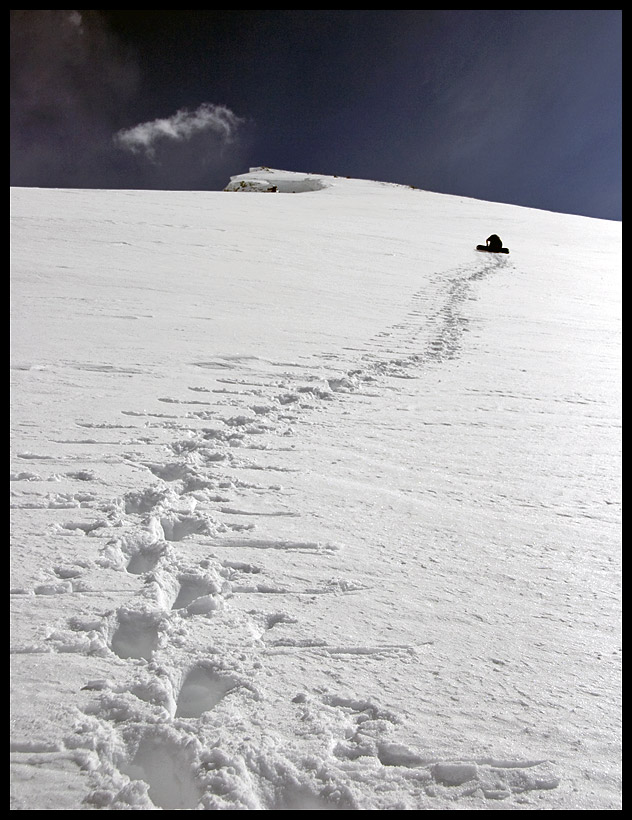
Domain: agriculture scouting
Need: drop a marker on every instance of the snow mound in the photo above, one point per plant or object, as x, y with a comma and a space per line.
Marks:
269, 180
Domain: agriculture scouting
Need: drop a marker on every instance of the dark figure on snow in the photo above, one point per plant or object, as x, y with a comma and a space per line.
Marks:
494, 243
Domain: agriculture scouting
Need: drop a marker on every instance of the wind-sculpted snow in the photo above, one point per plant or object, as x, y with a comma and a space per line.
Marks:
268, 180
327, 579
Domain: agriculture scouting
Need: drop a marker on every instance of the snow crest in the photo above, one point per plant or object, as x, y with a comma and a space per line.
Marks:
267, 180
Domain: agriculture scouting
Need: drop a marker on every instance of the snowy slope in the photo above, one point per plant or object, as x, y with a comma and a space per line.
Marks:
313, 506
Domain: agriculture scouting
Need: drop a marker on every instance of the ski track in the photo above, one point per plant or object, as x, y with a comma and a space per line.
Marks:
191, 541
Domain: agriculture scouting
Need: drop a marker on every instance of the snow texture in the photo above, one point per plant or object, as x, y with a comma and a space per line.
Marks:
313, 506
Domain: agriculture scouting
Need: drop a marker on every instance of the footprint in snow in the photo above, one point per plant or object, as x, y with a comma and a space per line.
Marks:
193, 587
203, 688
177, 527
164, 766
145, 560
136, 635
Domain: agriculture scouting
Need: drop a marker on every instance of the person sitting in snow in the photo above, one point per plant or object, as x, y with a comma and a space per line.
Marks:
494, 243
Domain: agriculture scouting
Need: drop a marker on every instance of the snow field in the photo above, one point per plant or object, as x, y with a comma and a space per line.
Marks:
313, 507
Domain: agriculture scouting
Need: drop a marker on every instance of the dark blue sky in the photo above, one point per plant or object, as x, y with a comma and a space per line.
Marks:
522, 107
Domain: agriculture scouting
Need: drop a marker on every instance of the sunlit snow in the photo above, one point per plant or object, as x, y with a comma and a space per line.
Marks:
314, 506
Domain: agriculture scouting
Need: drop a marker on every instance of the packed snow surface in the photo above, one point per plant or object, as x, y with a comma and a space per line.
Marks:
314, 507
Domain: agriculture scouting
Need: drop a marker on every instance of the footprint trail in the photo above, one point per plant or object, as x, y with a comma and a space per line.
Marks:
214, 593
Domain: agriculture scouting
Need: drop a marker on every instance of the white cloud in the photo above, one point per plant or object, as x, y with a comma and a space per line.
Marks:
216, 119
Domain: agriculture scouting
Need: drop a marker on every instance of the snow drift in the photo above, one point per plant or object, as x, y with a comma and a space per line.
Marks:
312, 506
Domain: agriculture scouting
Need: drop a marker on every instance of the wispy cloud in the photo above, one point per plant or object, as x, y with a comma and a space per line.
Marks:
75, 83
216, 120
